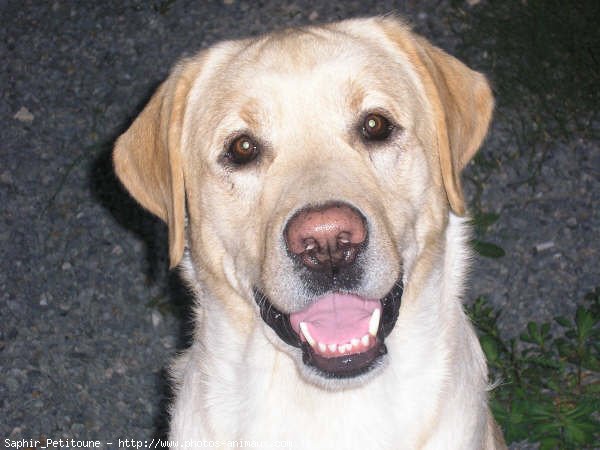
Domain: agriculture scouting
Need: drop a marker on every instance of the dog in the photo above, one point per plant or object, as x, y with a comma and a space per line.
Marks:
310, 181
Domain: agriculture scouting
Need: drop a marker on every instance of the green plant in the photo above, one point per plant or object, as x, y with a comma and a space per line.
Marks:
549, 380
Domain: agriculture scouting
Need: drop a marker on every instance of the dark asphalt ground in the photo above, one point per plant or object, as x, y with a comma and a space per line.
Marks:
89, 315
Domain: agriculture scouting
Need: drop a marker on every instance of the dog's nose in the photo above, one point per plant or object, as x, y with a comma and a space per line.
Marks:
326, 237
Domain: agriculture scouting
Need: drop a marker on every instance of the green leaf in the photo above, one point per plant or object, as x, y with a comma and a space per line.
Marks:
582, 410
565, 348
584, 321
532, 327
593, 389
482, 221
591, 362
487, 249
526, 337
549, 443
576, 433
545, 331
563, 321
534, 333
552, 384
490, 348
544, 362
541, 411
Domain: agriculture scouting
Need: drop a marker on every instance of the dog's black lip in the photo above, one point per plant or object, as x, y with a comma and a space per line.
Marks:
352, 365
346, 366
277, 320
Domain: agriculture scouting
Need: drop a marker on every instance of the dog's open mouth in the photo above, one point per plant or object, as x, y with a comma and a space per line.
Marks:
341, 334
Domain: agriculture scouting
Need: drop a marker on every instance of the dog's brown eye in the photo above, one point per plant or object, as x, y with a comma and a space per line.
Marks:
376, 127
242, 150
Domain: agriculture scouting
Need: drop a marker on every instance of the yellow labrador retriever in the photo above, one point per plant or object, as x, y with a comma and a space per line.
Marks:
310, 180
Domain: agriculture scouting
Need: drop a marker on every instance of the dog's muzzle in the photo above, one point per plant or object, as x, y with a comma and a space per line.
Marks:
341, 334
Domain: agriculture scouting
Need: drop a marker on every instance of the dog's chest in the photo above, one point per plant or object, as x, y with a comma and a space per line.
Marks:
286, 409
325, 425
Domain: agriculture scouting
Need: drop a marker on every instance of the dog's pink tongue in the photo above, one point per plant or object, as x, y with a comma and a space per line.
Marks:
336, 318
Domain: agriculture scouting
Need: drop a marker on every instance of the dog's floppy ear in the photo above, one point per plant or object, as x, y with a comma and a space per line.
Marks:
147, 157
466, 110
462, 103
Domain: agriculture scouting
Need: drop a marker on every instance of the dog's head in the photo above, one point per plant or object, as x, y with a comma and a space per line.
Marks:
315, 167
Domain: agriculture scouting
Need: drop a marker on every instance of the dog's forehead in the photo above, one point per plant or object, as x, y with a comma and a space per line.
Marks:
302, 49
319, 59
309, 70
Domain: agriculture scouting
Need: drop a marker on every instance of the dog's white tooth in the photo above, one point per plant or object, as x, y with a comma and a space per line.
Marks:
374, 322
354, 342
306, 333
322, 347
365, 340
343, 348
332, 348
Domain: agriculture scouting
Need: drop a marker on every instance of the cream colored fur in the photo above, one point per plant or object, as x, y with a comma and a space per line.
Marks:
300, 93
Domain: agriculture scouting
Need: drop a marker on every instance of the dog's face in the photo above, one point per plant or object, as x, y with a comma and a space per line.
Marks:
316, 168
